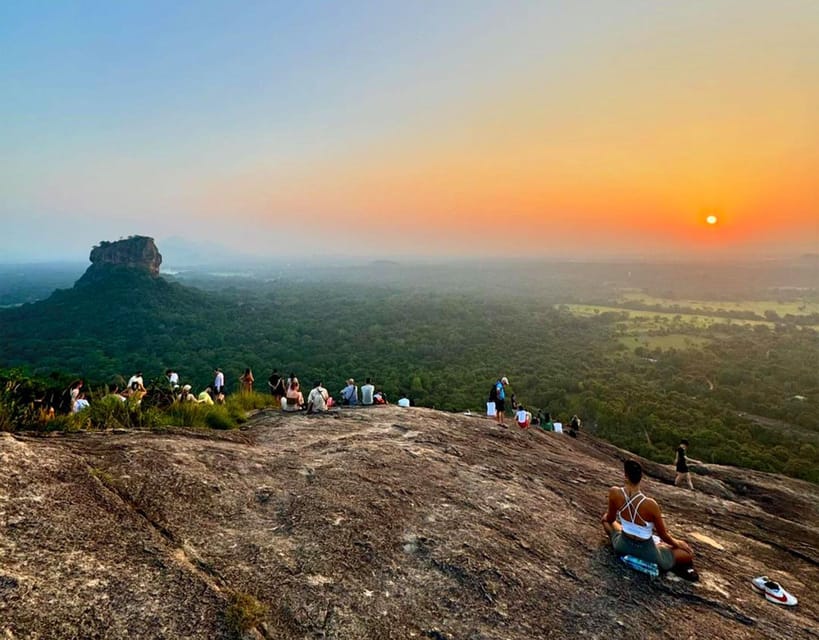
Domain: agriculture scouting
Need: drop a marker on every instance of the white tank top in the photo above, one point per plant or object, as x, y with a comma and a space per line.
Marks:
640, 531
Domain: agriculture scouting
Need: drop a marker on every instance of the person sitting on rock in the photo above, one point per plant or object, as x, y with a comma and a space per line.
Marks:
545, 421
317, 400
631, 521
116, 393
349, 394
293, 399
205, 396
74, 391
80, 404
186, 395
367, 392
523, 417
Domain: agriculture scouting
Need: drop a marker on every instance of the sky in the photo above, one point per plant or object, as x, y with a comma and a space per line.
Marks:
509, 129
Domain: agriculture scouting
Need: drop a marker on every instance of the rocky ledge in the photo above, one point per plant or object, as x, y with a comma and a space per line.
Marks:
379, 523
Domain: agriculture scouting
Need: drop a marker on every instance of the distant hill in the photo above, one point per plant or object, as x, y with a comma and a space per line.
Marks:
380, 523
120, 313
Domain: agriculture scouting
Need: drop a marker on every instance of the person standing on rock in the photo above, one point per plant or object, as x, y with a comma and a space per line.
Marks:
631, 521
681, 462
247, 381
136, 383
500, 398
218, 382
173, 378
276, 385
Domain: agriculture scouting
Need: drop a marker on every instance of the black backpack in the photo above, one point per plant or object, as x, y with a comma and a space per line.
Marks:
493, 393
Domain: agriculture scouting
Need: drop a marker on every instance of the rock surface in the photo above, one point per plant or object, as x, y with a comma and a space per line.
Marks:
137, 252
380, 523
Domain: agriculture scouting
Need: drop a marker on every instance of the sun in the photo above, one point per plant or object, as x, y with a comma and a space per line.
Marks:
712, 219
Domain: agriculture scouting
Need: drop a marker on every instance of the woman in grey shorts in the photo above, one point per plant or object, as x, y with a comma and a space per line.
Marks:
631, 521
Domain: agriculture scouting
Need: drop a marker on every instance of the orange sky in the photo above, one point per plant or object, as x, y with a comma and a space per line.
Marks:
480, 129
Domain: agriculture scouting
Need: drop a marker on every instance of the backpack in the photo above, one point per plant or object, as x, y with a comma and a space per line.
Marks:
493, 393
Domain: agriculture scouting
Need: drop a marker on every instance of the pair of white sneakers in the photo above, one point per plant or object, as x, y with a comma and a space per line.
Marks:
773, 591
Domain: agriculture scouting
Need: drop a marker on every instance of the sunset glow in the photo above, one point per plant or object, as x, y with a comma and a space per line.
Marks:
470, 128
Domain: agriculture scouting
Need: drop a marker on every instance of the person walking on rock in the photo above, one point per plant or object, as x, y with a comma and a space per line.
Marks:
681, 462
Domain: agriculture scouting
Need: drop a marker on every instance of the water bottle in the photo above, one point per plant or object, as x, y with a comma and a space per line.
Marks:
641, 565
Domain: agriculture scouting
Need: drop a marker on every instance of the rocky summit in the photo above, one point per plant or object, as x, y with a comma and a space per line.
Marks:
379, 523
136, 252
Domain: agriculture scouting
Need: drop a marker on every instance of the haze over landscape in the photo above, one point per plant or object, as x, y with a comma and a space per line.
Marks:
495, 129
493, 250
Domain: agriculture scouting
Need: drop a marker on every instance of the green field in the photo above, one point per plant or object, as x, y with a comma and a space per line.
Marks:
795, 308
661, 319
672, 341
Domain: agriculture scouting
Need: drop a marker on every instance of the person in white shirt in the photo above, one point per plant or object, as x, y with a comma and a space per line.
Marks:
367, 391
403, 401
317, 400
218, 382
173, 378
135, 382
523, 417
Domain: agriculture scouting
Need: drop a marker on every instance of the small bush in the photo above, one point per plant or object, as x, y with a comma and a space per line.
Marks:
247, 401
112, 413
244, 612
69, 422
219, 418
6, 422
185, 414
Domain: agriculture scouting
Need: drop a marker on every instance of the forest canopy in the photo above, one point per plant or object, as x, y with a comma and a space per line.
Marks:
744, 393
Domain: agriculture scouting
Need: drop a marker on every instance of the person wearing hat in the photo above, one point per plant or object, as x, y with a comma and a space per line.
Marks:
186, 395
349, 394
500, 398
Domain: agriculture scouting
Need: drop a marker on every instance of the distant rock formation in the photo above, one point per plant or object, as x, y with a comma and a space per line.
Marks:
137, 252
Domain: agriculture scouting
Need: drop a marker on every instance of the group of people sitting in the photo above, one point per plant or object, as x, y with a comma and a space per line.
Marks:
135, 390
545, 421
496, 406
286, 390
289, 395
